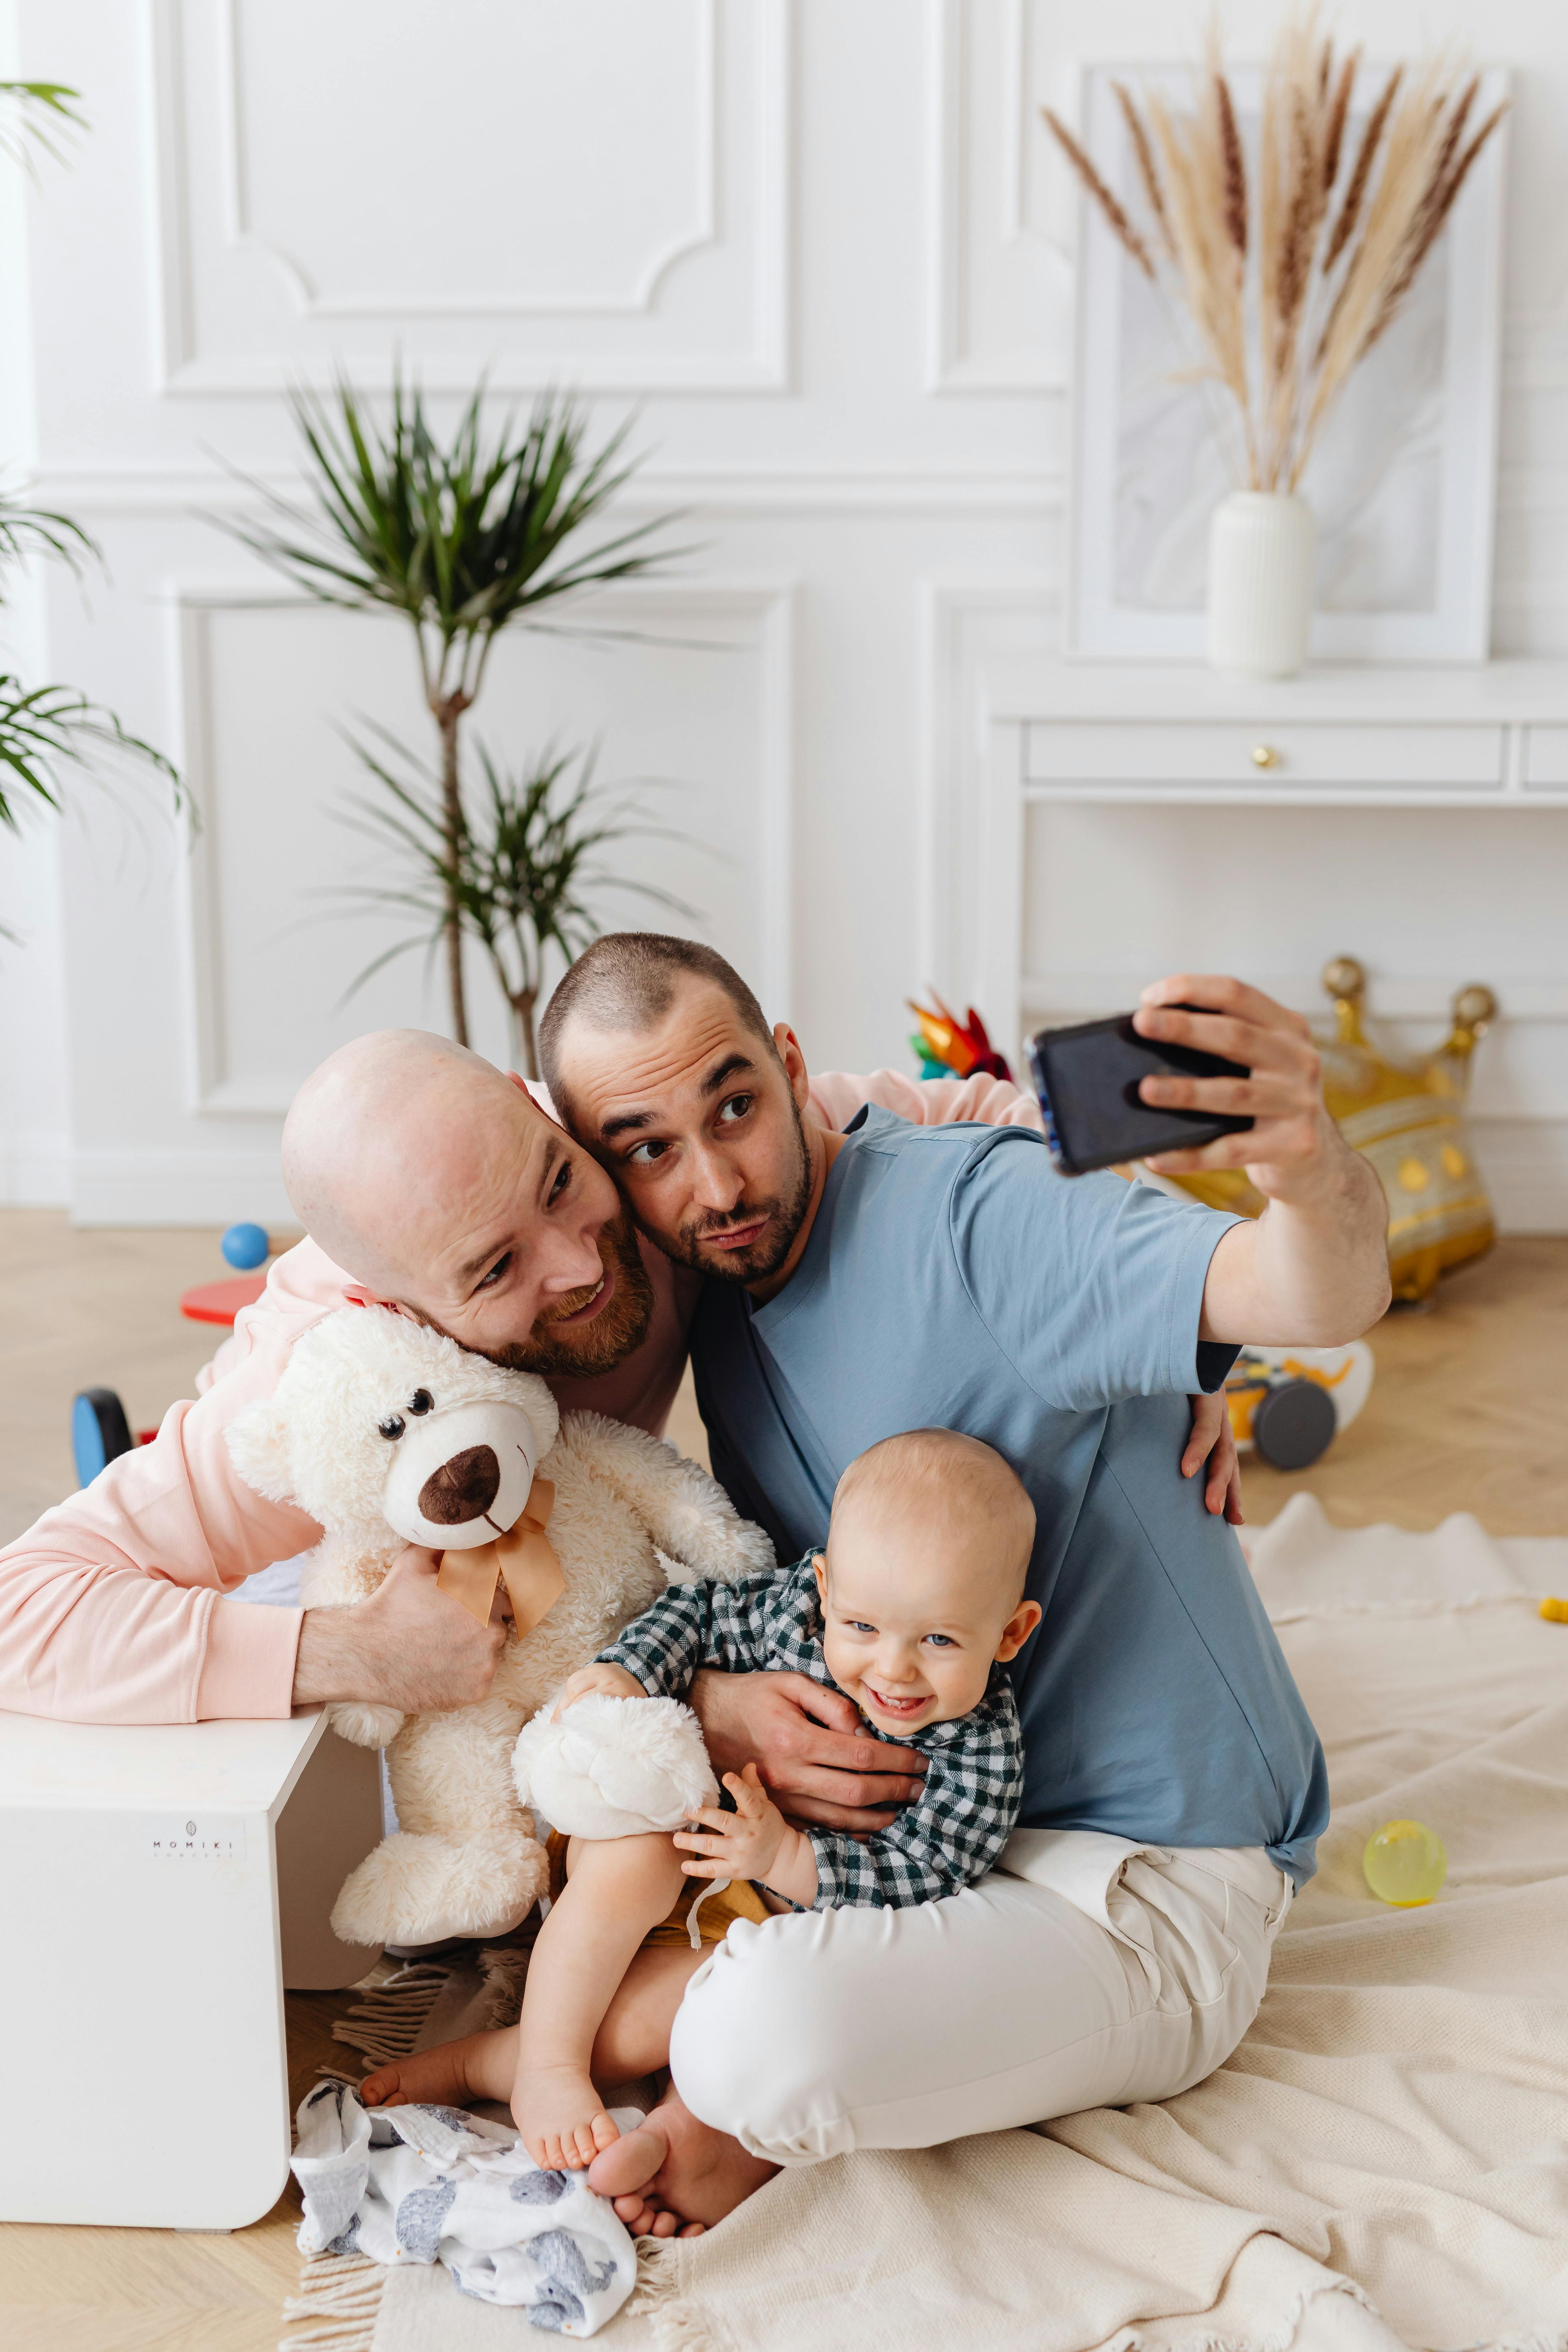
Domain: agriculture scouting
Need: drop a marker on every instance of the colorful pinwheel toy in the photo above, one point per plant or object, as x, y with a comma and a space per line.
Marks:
947, 1047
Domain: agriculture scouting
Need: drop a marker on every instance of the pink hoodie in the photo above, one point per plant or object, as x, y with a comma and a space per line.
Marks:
112, 1606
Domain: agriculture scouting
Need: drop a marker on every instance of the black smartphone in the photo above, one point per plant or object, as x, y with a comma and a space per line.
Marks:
1087, 1081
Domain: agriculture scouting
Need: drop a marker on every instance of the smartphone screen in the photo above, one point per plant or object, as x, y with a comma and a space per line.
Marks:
1087, 1079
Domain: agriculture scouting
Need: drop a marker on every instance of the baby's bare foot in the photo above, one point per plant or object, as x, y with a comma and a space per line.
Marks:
559, 2114
674, 2176
436, 2077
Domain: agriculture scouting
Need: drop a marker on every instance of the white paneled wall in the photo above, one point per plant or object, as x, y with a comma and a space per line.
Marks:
819, 246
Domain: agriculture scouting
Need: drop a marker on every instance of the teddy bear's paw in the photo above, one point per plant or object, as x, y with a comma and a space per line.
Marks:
419, 1889
365, 1725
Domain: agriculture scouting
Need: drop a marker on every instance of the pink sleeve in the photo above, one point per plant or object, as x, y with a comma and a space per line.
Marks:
113, 1607
837, 1095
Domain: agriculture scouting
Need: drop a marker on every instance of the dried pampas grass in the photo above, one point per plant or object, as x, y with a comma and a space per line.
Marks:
1290, 279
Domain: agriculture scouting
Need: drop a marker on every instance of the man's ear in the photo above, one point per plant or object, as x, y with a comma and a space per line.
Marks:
788, 1048
1017, 1629
356, 1293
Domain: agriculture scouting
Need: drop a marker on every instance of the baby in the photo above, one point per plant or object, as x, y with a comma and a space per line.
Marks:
914, 1613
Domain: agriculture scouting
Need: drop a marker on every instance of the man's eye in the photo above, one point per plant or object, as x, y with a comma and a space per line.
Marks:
489, 1281
562, 1179
647, 1155
736, 1108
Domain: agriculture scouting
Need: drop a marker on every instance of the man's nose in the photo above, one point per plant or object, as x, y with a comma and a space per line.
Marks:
717, 1183
578, 1261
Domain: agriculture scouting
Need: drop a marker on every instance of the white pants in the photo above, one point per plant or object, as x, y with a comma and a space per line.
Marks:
1084, 1971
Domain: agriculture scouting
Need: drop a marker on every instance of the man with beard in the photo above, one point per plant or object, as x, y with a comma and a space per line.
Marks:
430, 1182
894, 1277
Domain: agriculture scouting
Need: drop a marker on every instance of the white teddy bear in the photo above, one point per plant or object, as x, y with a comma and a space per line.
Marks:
387, 1434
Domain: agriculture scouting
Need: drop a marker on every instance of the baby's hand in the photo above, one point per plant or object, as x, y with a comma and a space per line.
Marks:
613, 1681
742, 1845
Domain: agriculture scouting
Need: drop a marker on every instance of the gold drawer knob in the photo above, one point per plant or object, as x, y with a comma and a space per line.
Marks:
1264, 755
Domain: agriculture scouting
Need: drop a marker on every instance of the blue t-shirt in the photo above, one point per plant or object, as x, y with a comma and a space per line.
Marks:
952, 1280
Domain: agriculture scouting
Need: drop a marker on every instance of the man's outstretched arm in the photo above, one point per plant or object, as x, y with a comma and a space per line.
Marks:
1313, 1270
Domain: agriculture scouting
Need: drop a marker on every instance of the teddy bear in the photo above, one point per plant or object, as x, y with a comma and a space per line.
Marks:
387, 1432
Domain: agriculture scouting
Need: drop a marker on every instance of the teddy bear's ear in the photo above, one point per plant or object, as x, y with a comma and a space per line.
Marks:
259, 1447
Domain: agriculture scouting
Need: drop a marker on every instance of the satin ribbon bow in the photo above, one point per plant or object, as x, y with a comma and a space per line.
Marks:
525, 1558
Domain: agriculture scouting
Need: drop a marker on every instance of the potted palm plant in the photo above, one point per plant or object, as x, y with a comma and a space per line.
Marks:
464, 539
523, 867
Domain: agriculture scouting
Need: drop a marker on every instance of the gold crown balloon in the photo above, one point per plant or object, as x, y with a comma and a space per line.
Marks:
1407, 1118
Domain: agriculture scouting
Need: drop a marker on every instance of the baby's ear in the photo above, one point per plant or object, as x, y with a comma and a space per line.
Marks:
258, 1444
1017, 1629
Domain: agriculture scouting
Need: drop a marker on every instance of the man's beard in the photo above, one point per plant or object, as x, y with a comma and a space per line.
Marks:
786, 1212
621, 1325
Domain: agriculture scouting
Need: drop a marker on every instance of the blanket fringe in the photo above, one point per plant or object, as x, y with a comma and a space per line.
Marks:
385, 2024
339, 2298
503, 1967
677, 2325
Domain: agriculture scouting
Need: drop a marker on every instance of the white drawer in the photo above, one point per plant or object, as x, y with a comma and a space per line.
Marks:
1157, 751
1546, 765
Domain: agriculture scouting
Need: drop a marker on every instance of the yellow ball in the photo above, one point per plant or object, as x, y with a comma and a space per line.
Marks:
1404, 1864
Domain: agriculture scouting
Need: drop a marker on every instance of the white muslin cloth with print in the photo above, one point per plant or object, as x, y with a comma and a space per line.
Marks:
426, 2184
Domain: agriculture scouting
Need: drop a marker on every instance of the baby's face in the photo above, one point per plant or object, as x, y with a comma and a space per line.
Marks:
912, 1625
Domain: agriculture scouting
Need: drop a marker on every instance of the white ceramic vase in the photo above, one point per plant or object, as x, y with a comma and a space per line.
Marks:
1262, 554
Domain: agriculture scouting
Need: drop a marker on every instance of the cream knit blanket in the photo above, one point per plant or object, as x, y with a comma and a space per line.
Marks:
1383, 2163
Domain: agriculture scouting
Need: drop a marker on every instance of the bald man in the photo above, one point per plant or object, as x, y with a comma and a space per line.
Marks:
431, 1183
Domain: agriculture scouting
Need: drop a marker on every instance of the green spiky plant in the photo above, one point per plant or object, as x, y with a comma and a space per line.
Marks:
464, 539
45, 729
523, 871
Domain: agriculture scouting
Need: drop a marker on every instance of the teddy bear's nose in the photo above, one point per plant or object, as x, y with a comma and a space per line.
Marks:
463, 1488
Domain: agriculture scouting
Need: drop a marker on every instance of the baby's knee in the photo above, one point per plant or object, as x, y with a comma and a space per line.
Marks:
647, 1862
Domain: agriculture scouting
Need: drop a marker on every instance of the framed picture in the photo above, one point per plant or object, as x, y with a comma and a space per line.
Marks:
1403, 480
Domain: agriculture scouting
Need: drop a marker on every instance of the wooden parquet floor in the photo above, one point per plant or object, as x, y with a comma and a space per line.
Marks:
1466, 1414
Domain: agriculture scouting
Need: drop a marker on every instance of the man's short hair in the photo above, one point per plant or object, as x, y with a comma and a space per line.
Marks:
627, 980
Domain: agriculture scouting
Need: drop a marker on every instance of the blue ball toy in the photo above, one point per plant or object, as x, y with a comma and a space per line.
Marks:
245, 1247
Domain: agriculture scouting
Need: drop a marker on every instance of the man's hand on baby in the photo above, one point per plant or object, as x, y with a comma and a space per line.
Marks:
613, 1681
742, 1845
811, 1750
1213, 1440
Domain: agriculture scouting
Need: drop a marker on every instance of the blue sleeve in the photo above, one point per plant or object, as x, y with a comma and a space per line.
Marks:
1091, 1286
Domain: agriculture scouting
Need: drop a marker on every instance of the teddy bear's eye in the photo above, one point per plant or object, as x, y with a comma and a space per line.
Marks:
421, 1402
392, 1427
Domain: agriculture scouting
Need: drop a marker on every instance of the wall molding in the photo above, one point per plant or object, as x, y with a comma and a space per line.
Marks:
714, 489
179, 1188
181, 371
36, 1171
1393, 1002
951, 367
211, 1091
956, 829
312, 304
